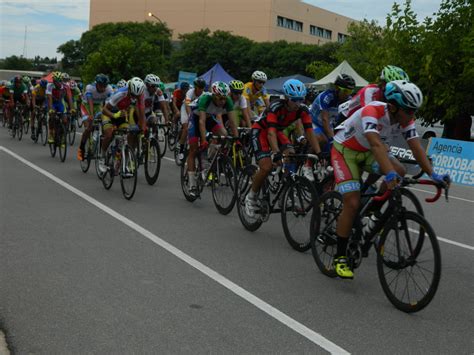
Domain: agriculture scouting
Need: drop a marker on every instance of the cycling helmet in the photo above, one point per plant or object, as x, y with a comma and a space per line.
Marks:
184, 85
220, 88
72, 84
199, 83
26, 79
311, 93
345, 81
404, 94
16, 79
121, 83
236, 86
259, 75
391, 73
43, 83
152, 79
136, 86
162, 86
101, 79
57, 76
34, 82
294, 89
66, 77
80, 86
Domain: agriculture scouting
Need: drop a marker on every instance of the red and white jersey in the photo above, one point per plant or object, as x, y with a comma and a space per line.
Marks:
364, 96
120, 100
373, 117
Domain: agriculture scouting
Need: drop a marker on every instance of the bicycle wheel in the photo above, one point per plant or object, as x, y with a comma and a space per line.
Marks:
19, 126
299, 200
128, 173
224, 185
71, 133
62, 141
161, 139
409, 279
251, 223
323, 232
26, 124
53, 147
185, 179
173, 135
152, 161
107, 177
79, 121
88, 153
44, 131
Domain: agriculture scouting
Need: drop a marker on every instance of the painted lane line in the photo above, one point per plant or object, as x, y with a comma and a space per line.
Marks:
449, 241
286, 320
434, 193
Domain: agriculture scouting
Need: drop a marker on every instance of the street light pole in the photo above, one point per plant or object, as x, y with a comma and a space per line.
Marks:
150, 14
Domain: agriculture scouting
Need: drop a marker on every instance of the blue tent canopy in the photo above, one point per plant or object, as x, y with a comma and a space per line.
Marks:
274, 86
216, 73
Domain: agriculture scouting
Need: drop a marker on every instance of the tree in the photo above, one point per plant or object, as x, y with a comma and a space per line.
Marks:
17, 63
73, 56
319, 69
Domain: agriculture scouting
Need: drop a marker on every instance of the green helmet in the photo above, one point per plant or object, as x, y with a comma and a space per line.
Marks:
391, 73
162, 86
26, 79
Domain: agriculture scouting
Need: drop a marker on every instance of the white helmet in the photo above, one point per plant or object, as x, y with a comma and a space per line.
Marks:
259, 75
152, 79
405, 94
121, 83
136, 86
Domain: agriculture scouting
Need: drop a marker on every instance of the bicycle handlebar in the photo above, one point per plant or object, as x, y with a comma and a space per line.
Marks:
408, 181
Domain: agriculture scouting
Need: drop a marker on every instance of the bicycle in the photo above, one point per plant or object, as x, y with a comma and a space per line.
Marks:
41, 125
161, 136
149, 155
120, 160
17, 122
289, 194
26, 119
71, 128
60, 132
220, 175
92, 148
397, 251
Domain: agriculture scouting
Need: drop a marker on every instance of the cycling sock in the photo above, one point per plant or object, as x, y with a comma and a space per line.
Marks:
341, 246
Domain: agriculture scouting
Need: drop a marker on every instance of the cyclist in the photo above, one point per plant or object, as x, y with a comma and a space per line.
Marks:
125, 108
94, 98
324, 110
154, 98
38, 98
256, 94
121, 83
18, 93
192, 95
240, 104
56, 92
361, 144
372, 92
269, 141
178, 98
206, 119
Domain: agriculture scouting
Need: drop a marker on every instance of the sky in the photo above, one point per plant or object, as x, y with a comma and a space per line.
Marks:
53, 22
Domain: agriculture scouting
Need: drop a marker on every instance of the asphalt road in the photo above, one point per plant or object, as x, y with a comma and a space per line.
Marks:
85, 271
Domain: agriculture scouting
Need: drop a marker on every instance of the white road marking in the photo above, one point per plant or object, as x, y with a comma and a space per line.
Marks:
449, 241
434, 193
273, 312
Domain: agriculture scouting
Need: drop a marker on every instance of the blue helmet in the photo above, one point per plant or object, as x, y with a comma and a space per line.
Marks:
294, 89
102, 79
404, 94
43, 83
184, 85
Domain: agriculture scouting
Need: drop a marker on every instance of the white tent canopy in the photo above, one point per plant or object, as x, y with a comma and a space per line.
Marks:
343, 68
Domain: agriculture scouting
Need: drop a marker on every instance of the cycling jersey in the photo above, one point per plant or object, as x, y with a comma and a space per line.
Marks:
58, 93
17, 92
372, 118
39, 92
97, 97
206, 104
120, 100
152, 100
325, 101
364, 96
179, 95
255, 98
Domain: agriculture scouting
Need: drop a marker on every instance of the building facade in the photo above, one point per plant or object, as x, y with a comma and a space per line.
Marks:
259, 20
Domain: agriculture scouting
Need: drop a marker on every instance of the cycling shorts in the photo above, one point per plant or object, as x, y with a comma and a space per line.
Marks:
58, 106
261, 146
212, 125
348, 165
120, 120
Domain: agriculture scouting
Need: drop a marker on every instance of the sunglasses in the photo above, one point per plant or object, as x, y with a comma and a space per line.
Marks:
259, 82
236, 92
295, 100
344, 90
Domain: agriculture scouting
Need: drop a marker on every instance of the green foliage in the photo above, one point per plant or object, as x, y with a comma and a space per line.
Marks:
73, 56
318, 69
17, 63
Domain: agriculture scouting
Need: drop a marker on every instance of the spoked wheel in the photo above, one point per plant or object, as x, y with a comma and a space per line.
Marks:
152, 161
409, 277
71, 133
251, 223
299, 201
79, 122
19, 127
26, 125
88, 153
128, 173
185, 180
108, 176
161, 138
62, 143
224, 185
44, 131
173, 137
323, 232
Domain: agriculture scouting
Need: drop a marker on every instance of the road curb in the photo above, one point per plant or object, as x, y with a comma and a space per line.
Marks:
3, 345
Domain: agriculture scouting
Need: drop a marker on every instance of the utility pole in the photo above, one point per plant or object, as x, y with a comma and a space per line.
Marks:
24, 43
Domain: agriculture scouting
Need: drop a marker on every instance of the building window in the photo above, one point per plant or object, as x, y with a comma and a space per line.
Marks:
290, 24
341, 37
320, 32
